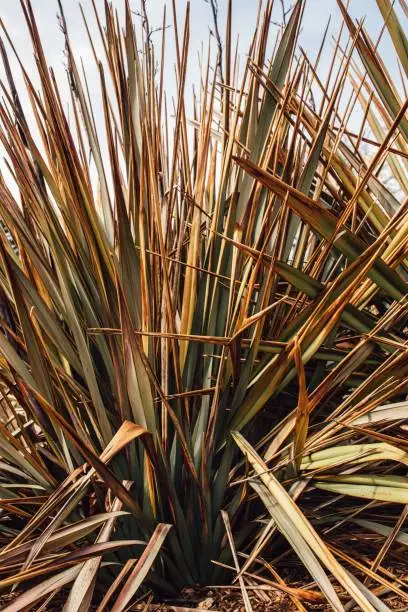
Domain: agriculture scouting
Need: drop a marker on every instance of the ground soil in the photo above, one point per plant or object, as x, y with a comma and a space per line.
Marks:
210, 600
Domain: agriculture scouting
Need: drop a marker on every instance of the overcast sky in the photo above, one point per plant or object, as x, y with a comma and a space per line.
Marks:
244, 13
315, 19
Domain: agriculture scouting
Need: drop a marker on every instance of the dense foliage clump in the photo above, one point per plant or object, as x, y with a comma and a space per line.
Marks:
203, 339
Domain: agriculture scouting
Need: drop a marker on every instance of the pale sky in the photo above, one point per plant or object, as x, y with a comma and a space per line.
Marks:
315, 19
244, 13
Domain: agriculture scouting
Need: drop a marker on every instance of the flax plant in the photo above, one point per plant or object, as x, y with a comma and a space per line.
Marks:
203, 319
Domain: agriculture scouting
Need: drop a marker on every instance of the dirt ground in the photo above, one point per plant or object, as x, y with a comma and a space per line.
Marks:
211, 600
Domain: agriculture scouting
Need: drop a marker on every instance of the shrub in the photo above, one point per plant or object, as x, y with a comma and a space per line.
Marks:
203, 334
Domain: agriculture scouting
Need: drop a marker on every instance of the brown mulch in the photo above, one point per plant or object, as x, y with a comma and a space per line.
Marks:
223, 599
212, 600
230, 600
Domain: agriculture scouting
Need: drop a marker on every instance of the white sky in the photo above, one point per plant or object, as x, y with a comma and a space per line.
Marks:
244, 13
